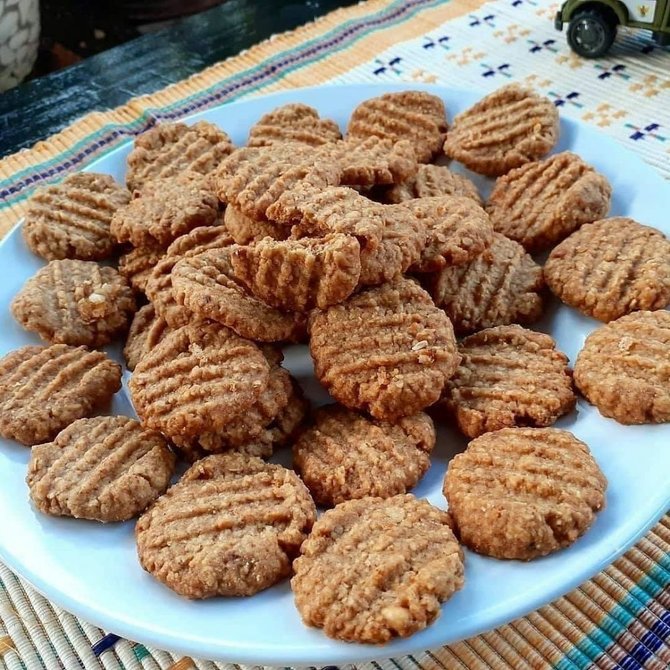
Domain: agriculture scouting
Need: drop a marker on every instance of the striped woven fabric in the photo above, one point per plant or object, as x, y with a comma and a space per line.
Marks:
620, 618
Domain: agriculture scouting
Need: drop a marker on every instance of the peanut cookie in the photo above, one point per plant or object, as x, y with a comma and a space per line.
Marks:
230, 527
198, 379
540, 203
347, 455
338, 209
371, 161
159, 292
44, 389
278, 433
432, 181
199, 240
506, 129
624, 368
170, 148
105, 469
159, 285
416, 116
245, 230
611, 267
137, 264
146, 331
165, 209
71, 219
387, 350
206, 285
458, 230
523, 492
508, 376
376, 568
294, 122
253, 178
403, 240
253, 422
500, 286
297, 275
75, 302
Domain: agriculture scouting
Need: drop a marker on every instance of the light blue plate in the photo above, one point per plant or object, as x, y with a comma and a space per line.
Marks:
92, 570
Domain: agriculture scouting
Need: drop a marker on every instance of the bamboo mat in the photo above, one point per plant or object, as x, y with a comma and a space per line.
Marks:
620, 618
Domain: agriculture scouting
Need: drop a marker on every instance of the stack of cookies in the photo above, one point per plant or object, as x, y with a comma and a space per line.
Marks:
371, 250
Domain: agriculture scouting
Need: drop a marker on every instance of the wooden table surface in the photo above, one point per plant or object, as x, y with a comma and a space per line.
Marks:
42, 107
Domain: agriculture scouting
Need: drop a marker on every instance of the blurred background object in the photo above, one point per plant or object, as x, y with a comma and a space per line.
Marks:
19, 40
73, 30
160, 10
98, 54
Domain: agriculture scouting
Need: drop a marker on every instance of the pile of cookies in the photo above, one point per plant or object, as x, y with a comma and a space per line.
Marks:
371, 250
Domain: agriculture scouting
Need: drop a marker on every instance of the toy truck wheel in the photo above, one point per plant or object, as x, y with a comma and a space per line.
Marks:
591, 33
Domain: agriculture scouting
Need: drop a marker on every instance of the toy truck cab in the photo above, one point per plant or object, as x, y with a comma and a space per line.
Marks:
592, 24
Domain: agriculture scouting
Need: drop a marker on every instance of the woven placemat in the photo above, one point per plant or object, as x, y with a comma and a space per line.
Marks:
620, 618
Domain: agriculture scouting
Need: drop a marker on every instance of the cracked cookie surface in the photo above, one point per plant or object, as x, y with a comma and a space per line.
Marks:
508, 376
346, 455
108, 468
611, 267
523, 492
386, 350
374, 569
44, 389
72, 219
624, 368
229, 527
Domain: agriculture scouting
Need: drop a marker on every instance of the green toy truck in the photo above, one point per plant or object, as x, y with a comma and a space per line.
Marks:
592, 24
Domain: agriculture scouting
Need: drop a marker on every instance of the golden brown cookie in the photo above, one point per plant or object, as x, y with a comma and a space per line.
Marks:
164, 210
508, 376
294, 122
404, 237
137, 264
322, 211
432, 181
245, 230
159, 292
500, 286
71, 219
387, 350
506, 129
278, 433
198, 379
206, 285
253, 421
105, 469
523, 492
297, 275
375, 569
457, 228
371, 161
159, 283
44, 389
253, 178
346, 455
146, 331
230, 527
75, 302
168, 149
199, 240
624, 368
540, 203
611, 267
416, 116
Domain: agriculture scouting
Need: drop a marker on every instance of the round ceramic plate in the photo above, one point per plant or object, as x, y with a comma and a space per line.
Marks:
92, 570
